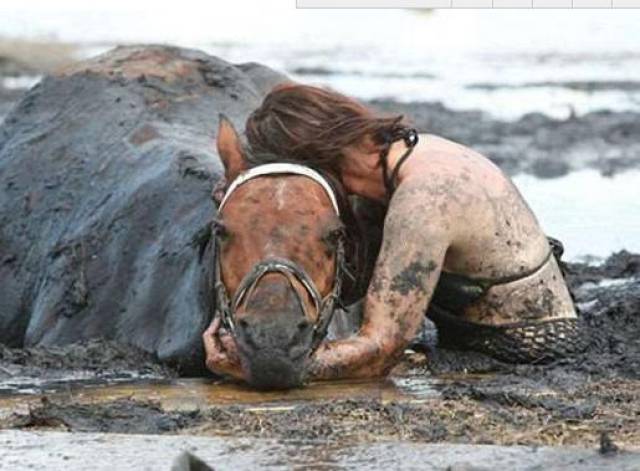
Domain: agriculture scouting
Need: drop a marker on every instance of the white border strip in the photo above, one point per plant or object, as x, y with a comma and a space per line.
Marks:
464, 4
373, 3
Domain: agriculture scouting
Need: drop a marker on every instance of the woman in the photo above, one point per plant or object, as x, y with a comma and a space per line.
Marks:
459, 241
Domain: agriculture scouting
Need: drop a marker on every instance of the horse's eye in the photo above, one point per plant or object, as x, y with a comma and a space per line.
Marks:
332, 236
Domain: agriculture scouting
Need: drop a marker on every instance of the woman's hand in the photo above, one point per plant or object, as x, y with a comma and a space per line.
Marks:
221, 352
355, 357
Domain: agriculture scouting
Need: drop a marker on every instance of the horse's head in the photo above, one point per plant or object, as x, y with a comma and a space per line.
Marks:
279, 255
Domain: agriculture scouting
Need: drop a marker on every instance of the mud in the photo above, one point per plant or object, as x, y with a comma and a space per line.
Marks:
619, 266
434, 396
120, 416
97, 361
12, 67
327, 71
20, 57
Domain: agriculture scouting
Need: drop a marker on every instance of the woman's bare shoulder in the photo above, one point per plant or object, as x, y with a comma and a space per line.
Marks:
465, 168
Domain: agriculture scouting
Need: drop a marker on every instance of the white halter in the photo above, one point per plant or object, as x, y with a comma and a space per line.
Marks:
280, 169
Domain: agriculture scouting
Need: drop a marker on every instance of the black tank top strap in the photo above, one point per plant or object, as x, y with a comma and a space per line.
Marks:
455, 291
518, 276
410, 138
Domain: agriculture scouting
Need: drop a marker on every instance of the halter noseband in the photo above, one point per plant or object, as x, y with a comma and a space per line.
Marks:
226, 308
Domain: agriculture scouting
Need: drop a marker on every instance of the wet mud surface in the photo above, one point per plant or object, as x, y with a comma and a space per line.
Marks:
591, 400
25, 371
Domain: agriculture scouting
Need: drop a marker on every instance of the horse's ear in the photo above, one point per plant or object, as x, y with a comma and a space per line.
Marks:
230, 149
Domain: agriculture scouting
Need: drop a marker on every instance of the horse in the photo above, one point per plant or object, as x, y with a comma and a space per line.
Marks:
106, 171
282, 253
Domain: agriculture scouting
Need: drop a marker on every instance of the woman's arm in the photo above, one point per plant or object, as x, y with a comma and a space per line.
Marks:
415, 241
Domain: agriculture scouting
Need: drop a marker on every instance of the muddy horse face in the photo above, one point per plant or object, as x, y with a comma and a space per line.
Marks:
279, 252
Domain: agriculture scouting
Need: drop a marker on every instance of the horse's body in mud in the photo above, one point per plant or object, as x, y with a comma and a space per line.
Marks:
106, 171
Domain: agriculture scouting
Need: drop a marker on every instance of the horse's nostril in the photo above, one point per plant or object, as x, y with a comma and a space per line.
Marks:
243, 324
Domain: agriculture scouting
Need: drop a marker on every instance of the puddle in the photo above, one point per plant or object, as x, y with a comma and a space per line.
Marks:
199, 393
17, 384
417, 387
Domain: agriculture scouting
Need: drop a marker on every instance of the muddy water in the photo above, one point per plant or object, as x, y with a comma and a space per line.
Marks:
194, 394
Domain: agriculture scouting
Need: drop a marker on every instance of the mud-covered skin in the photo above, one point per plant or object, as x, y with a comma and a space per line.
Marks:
106, 171
454, 211
405, 274
500, 238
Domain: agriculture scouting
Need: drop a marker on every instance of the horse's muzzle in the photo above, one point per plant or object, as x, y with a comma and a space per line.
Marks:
271, 369
275, 350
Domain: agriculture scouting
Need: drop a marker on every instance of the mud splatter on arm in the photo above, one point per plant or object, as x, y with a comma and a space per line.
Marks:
415, 241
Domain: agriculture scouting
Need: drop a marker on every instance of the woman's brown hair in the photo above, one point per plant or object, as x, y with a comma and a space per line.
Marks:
313, 125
